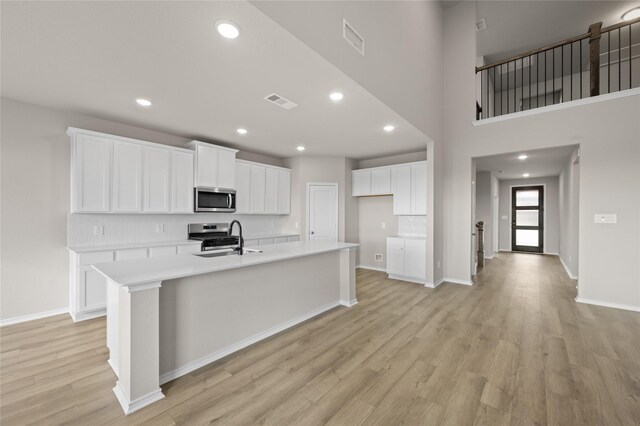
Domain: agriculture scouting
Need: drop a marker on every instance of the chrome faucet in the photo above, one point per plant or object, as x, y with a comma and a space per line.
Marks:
241, 249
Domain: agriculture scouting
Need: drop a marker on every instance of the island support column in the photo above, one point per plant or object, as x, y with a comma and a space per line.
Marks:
138, 348
348, 277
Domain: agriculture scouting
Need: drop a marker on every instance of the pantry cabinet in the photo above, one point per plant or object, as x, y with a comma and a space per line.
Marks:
262, 188
407, 259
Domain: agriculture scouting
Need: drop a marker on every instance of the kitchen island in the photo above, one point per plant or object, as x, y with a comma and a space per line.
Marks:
168, 316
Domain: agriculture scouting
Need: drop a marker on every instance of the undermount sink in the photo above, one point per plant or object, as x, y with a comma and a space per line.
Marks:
230, 252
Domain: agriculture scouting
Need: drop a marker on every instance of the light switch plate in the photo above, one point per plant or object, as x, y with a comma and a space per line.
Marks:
98, 230
605, 218
378, 257
384, 225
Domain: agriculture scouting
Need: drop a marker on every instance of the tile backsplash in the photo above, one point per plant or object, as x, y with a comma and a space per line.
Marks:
143, 228
412, 226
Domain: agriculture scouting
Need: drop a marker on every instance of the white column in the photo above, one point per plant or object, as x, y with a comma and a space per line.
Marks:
112, 323
348, 277
138, 346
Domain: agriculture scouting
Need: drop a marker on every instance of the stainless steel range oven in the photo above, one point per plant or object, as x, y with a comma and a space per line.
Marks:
214, 200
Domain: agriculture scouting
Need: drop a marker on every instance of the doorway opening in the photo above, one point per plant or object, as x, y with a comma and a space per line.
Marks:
527, 218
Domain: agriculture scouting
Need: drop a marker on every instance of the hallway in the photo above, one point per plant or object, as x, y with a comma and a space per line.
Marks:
513, 349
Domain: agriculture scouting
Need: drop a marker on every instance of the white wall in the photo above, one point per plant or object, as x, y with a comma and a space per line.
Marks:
607, 131
551, 234
34, 193
484, 209
569, 213
495, 210
372, 237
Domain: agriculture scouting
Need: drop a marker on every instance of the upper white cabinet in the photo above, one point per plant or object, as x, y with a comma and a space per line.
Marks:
182, 182
126, 194
406, 182
112, 174
215, 165
91, 173
262, 188
157, 184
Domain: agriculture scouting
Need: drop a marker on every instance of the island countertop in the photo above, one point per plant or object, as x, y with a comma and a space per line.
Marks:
148, 270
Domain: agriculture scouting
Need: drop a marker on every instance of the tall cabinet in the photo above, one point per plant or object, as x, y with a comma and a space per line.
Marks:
262, 188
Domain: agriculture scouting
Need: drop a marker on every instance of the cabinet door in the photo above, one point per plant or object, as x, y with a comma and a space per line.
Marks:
415, 259
226, 169
419, 189
163, 251
92, 290
181, 182
401, 177
157, 163
395, 256
381, 181
266, 241
294, 238
271, 191
207, 166
280, 240
243, 188
127, 177
91, 179
284, 193
361, 182
258, 181
131, 254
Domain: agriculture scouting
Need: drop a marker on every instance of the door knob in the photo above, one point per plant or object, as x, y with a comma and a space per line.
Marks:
312, 232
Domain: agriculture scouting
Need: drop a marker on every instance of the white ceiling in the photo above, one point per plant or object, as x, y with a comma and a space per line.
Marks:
539, 163
514, 27
98, 57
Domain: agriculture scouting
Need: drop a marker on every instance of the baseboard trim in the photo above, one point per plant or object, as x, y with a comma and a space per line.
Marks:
130, 406
349, 303
489, 257
201, 362
31, 317
457, 281
567, 270
372, 268
408, 279
434, 285
608, 305
83, 316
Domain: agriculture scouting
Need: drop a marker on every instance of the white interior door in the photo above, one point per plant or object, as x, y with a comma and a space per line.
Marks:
323, 211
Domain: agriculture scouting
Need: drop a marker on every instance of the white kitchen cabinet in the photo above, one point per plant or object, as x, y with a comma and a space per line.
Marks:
266, 241
407, 259
243, 188
157, 184
271, 202
293, 238
361, 183
280, 240
381, 181
215, 165
126, 195
90, 173
419, 189
402, 190
88, 288
181, 182
284, 191
258, 188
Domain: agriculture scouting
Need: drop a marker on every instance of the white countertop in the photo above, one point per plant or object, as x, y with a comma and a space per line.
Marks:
132, 246
260, 236
141, 271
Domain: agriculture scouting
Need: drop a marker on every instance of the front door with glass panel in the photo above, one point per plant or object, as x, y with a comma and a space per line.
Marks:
527, 218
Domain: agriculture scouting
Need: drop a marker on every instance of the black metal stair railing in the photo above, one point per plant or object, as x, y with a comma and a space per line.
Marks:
603, 60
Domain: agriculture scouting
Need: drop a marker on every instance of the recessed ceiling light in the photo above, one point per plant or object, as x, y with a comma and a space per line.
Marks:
389, 128
300, 148
241, 131
522, 157
631, 14
336, 96
227, 29
143, 102
525, 175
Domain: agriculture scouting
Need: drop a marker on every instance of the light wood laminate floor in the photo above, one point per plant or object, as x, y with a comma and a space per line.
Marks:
513, 349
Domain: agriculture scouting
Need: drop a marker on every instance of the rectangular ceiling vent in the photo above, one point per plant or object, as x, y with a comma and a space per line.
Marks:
481, 24
280, 101
352, 37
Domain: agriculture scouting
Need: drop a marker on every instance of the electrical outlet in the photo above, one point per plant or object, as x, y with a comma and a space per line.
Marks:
159, 228
605, 218
378, 257
384, 225
98, 230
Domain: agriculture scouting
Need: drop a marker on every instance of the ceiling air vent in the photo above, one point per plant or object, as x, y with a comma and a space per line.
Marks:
481, 24
280, 101
352, 37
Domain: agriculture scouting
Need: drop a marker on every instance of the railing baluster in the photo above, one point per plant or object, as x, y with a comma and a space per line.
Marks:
530, 66
522, 84
580, 69
545, 77
619, 62
630, 59
494, 91
507, 87
608, 62
571, 73
553, 76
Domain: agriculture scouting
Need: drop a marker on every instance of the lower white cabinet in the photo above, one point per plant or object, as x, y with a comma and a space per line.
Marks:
407, 259
257, 241
88, 288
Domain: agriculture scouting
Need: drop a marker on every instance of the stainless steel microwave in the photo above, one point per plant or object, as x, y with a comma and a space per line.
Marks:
214, 200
